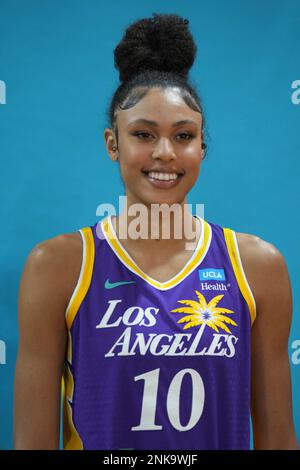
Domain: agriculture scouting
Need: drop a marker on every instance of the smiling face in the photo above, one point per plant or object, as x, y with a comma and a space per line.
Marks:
159, 148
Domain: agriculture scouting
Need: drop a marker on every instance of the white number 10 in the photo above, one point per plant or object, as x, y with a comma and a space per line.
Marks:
173, 400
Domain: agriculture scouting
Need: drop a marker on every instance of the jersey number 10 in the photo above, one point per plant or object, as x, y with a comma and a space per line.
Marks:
147, 422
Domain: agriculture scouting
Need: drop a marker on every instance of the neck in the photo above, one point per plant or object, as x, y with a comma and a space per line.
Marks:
153, 230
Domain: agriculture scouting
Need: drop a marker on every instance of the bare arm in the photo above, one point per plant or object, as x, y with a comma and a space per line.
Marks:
49, 276
271, 394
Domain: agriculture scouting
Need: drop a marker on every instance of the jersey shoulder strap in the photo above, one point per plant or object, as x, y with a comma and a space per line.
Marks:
235, 258
85, 276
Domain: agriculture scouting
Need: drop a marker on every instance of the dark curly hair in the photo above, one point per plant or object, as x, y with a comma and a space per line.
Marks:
154, 52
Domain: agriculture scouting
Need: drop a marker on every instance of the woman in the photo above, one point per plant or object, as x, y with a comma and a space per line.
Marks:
160, 347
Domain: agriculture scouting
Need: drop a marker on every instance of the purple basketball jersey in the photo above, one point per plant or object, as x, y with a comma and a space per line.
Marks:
159, 365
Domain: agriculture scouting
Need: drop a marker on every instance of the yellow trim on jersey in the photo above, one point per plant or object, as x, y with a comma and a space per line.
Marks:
71, 439
69, 352
233, 251
69, 383
85, 275
199, 253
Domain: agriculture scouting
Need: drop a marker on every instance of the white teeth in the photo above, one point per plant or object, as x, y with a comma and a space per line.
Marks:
163, 176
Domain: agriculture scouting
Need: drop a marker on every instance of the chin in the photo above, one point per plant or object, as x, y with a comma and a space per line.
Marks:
163, 200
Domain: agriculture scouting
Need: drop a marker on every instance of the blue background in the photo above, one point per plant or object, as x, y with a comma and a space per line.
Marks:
56, 59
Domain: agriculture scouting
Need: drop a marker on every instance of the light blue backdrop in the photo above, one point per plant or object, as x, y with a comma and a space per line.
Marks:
56, 65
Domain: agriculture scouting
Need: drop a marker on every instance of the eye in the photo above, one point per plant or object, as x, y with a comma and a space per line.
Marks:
186, 134
138, 134
145, 135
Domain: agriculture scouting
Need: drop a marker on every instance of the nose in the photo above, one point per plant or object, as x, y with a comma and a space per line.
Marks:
164, 150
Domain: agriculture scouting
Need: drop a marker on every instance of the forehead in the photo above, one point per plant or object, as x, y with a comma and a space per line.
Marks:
160, 105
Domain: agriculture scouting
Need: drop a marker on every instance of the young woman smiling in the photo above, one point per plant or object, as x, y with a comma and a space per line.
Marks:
160, 347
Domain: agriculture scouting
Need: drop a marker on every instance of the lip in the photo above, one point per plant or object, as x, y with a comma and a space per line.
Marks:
163, 184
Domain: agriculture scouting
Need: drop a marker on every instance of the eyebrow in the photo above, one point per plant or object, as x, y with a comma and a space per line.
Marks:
155, 124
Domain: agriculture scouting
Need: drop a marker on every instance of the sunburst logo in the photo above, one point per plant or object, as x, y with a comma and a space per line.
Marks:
203, 313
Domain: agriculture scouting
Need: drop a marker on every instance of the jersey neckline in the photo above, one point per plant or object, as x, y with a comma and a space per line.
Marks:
194, 261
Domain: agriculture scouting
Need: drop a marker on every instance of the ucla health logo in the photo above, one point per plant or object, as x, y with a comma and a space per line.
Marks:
211, 274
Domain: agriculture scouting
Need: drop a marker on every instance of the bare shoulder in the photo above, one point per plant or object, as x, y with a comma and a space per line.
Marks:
57, 261
264, 265
57, 249
49, 277
271, 398
255, 245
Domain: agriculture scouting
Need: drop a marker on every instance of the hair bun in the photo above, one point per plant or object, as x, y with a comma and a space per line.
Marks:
162, 43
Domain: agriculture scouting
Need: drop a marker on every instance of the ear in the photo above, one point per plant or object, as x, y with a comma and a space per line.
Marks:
203, 145
111, 144
203, 151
